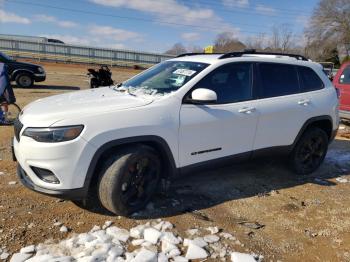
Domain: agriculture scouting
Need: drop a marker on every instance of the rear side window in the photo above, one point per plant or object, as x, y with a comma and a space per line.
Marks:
345, 76
309, 80
278, 80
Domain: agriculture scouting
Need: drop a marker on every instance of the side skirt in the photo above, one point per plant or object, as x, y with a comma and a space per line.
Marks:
279, 151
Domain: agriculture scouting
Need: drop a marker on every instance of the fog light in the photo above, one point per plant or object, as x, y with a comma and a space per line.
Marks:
45, 175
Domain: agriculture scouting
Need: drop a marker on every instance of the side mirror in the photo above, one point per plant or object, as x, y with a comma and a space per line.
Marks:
203, 96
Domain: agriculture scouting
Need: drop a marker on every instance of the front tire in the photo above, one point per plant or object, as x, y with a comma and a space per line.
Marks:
309, 151
24, 80
94, 83
129, 179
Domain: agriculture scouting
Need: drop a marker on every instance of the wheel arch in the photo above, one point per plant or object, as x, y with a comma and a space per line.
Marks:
16, 72
323, 122
156, 142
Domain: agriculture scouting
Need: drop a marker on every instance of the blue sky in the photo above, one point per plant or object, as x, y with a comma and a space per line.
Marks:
150, 25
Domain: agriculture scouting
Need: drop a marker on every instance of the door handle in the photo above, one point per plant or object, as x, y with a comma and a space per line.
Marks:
246, 110
304, 102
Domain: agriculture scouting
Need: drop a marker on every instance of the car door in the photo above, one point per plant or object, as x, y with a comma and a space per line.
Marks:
342, 82
212, 131
282, 105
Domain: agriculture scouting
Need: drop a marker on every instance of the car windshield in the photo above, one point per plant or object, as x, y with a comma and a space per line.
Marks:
165, 77
4, 57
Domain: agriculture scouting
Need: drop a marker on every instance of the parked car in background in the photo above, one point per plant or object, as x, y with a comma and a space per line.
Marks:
37, 39
25, 74
328, 68
342, 83
335, 71
55, 41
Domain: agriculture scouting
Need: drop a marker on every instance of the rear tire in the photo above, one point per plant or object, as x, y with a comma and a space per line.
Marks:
129, 179
24, 80
309, 151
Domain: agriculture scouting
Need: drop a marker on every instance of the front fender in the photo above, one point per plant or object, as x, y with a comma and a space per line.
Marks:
160, 144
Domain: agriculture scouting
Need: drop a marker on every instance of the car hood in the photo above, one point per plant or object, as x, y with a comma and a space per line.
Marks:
47, 111
27, 65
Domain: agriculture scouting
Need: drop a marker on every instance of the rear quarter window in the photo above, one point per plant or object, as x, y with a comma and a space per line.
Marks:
309, 80
344, 77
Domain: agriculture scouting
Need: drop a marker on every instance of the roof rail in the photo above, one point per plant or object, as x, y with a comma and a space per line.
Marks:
246, 52
254, 52
190, 54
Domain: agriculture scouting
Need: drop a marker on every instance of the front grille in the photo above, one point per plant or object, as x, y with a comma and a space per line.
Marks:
18, 127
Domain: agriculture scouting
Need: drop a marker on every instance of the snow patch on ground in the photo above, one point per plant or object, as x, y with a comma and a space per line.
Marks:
240, 257
150, 242
342, 180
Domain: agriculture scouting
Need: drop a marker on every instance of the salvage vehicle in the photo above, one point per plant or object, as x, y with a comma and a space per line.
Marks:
195, 111
25, 74
342, 84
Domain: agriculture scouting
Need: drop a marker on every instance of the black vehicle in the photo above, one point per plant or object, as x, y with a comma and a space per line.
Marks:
100, 77
55, 41
25, 74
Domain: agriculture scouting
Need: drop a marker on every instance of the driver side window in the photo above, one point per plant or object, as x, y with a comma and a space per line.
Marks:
231, 82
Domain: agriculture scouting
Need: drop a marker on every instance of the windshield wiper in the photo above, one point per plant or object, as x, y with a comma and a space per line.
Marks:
128, 91
117, 86
123, 90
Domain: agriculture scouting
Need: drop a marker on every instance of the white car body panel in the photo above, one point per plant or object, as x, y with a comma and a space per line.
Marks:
57, 157
109, 115
280, 120
47, 111
220, 128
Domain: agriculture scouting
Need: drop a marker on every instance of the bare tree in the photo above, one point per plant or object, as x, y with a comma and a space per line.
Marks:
177, 49
226, 42
194, 49
275, 41
316, 49
322, 51
286, 37
330, 25
256, 42
281, 38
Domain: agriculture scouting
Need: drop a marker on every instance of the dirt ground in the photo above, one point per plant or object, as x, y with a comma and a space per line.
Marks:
298, 218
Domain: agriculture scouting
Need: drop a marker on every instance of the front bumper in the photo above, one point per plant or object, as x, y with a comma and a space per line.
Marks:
71, 194
67, 161
39, 77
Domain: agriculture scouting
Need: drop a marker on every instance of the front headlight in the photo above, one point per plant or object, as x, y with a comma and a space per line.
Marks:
53, 134
41, 70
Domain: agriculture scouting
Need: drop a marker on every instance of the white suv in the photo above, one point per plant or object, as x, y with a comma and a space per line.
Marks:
192, 111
